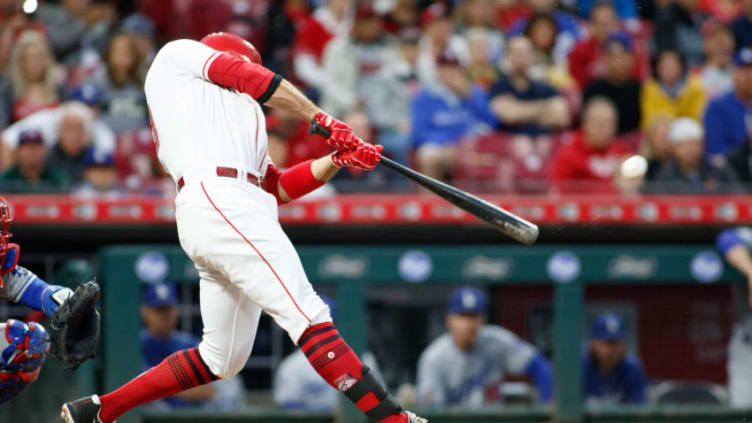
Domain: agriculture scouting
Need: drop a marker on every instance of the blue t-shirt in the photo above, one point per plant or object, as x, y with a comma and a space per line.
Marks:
536, 90
725, 124
444, 118
565, 22
625, 384
155, 350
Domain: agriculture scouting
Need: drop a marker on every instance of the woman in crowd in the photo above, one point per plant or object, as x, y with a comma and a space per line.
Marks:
121, 85
33, 76
671, 91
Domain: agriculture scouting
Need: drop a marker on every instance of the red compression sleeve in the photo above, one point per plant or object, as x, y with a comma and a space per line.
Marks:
240, 75
297, 181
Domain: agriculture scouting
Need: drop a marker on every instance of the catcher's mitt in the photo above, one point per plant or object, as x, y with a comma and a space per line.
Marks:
75, 326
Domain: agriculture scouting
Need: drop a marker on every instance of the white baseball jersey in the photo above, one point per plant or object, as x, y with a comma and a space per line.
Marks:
197, 123
450, 376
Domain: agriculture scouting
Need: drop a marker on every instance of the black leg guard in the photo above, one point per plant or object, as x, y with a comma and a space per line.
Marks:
368, 384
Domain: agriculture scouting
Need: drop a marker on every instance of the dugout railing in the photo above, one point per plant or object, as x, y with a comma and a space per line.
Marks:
351, 268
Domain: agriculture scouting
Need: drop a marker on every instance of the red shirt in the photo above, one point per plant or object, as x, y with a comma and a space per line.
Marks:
579, 168
312, 38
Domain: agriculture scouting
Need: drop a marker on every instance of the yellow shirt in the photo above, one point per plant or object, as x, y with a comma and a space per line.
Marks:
689, 103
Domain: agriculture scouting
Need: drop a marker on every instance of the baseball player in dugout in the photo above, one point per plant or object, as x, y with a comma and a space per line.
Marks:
205, 103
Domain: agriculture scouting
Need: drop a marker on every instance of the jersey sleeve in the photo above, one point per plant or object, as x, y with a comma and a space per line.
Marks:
430, 386
516, 354
192, 58
732, 237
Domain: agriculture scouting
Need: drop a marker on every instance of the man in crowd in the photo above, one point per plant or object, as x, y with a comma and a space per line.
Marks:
716, 73
349, 62
612, 376
443, 113
618, 83
466, 366
523, 105
160, 338
590, 161
30, 173
100, 175
586, 58
678, 27
726, 116
689, 171
73, 142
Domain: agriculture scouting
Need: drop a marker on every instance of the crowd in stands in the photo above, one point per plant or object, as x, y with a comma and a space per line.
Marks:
495, 95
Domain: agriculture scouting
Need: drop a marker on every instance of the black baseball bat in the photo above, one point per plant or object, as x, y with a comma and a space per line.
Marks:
503, 220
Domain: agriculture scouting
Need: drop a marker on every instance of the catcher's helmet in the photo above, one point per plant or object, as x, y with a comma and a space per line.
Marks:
5, 219
231, 43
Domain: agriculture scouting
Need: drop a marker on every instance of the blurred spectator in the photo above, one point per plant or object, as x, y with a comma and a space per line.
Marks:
588, 163
716, 73
404, 14
618, 83
740, 160
479, 14
189, 18
585, 59
734, 244
742, 26
678, 27
30, 172
467, 365
282, 21
326, 22
550, 65
523, 105
625, 9
568, 26
160, 338
723, 10
442, 114
48, 123
656, 146
349, 62
727, 117
65, 24
121, 85
481, 66
33, 77
672, 91
612, 376
390, 93
298, 387
142, 30
73, 141
100, 175
438, 36
689, 172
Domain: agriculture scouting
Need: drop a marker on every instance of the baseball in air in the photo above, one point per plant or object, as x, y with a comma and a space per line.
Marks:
634, 167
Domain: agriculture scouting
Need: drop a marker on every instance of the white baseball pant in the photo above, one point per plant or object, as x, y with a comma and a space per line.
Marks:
739, 368
230, 229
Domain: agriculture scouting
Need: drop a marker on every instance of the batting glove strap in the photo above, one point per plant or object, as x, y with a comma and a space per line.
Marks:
365, 157
342, 137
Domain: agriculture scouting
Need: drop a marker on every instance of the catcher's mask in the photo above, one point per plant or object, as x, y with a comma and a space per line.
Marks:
8, 250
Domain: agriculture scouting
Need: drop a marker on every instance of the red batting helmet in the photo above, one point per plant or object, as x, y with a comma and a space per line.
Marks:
231, 43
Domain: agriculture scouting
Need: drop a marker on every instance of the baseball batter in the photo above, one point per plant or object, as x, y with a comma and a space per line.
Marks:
205, 103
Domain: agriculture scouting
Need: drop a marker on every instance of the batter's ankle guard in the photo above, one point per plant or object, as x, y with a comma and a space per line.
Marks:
368, 384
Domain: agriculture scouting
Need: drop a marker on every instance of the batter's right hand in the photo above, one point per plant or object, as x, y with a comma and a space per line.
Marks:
342, 137
364, 157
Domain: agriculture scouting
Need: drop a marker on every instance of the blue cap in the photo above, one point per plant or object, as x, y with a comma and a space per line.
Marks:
743, 57
160, 295
94, 158
468, 301
608, 326
332, 303
139, 24
88, 94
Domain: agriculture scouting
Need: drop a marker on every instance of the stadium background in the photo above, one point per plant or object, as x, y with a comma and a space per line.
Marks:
643, 247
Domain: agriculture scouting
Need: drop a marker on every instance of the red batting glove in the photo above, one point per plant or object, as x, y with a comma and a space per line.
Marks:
342, 137
364, 157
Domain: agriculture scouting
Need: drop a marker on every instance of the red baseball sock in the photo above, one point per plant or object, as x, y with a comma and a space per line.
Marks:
333, 359
180, 371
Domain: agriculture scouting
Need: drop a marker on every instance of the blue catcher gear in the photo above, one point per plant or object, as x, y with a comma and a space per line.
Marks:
8, 250
22, 354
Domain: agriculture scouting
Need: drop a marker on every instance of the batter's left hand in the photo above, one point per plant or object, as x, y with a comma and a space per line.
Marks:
364, 157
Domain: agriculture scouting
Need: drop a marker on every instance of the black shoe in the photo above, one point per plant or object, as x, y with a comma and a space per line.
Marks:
84, 410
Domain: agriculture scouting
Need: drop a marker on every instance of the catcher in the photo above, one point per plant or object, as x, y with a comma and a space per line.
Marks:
74, 320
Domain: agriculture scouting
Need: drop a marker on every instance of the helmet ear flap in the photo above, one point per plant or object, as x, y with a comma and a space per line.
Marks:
9, 259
